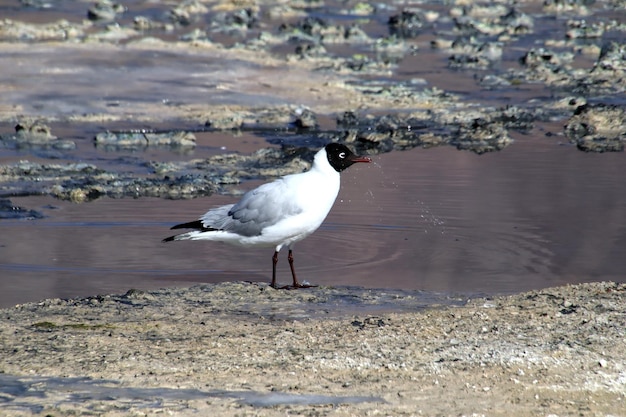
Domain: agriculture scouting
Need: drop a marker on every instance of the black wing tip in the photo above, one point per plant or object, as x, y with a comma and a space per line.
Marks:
196, 224
190, 225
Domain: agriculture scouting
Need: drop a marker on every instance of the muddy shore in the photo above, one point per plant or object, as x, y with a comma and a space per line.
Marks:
246, 349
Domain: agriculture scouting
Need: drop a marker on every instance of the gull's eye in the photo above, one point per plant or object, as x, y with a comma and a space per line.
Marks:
342, 155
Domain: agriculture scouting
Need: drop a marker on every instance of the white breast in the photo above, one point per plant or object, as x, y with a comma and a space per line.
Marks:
314, 192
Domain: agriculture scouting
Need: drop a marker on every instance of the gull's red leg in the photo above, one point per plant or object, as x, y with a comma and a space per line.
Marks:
296, 284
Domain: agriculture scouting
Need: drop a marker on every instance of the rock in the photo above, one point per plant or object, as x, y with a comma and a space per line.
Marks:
309, 29
347, 119
241, 19
305, 119
142, 139
36, 136
580, 29
481, 136
61, 30
518, 118
597, 128
105, 10
560, 6
517, 23
540, 60
187, 12
10, 211
408, 24
612, 60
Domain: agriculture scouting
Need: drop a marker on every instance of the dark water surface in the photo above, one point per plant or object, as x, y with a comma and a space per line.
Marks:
538, 214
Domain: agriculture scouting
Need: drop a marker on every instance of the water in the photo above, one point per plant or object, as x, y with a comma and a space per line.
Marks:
82, 389
538, 214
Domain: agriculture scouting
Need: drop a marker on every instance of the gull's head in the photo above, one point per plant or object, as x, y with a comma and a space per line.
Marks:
341, 157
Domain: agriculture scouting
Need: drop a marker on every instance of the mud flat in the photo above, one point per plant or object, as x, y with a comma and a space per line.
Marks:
245, 349
380, 77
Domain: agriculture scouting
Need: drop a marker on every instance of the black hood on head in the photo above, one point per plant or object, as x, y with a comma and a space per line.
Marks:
341, 157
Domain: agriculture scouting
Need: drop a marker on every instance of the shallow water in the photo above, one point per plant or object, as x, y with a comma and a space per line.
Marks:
538, 214
82, 389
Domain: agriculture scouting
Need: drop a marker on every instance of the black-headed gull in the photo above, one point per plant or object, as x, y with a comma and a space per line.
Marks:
279, 213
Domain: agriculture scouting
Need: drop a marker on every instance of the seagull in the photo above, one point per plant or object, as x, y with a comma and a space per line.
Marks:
278, 213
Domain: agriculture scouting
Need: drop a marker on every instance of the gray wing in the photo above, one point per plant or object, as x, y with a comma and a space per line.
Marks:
259, 208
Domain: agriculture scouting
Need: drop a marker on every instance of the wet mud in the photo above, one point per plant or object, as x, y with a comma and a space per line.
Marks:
243, 349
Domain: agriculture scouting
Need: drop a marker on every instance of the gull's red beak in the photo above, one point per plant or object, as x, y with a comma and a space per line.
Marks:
355, 158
